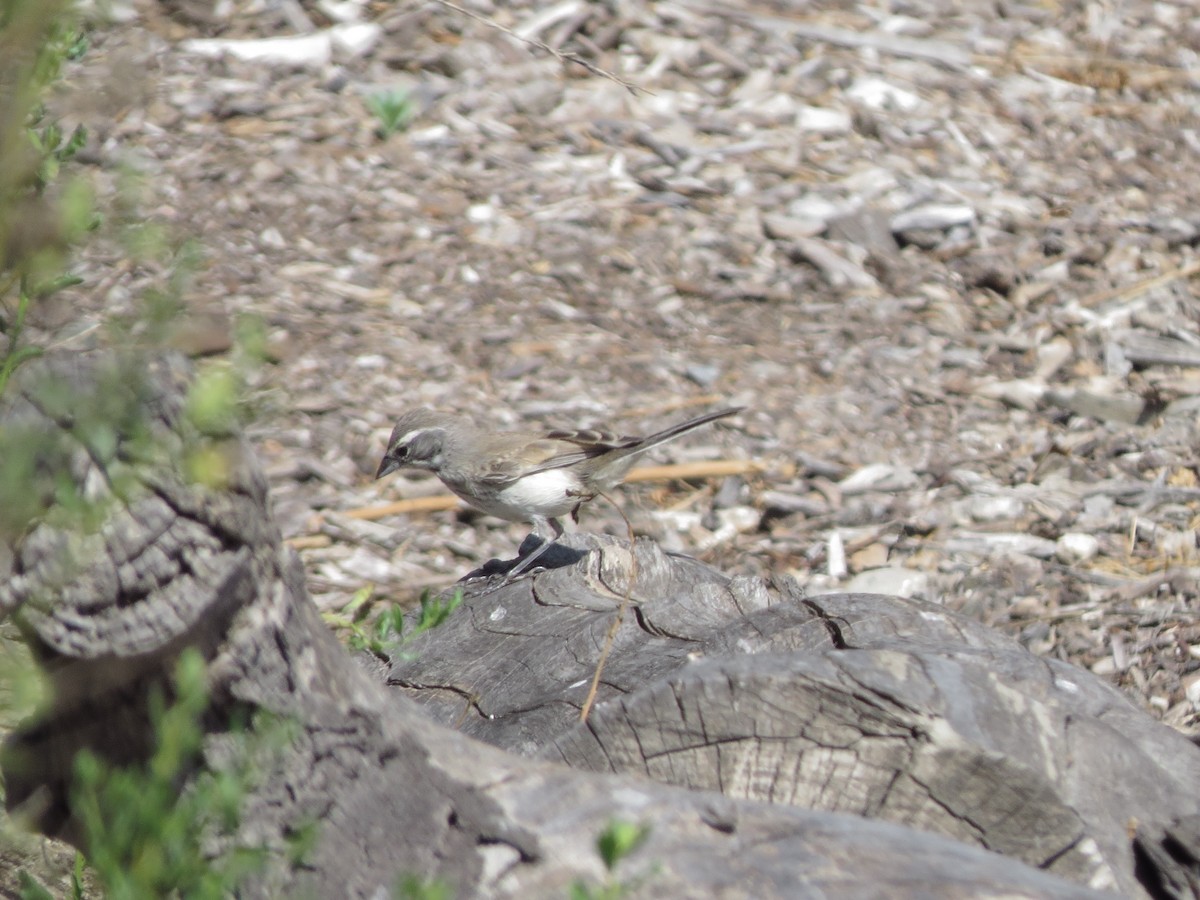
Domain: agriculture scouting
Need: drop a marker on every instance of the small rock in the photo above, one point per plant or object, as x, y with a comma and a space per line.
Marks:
995, 509
703, 374
816, 208
828, 258
342, 11
896, 581
933, 216
731, 493
878, 477
740, 518
989, 544
1076, 547
279, 345
1022, 393
1175, 545
785, 503
876, 93
1192, 690
202, 335
872, 556
823, 121
364, 565
836, 555
312, 51
1052, 355
867, 227
791, 228
1116, 407
356, 39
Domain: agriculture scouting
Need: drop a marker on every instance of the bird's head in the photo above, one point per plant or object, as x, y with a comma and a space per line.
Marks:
418, 442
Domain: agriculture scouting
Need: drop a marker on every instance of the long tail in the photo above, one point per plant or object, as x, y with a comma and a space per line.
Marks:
667, 434
597, 444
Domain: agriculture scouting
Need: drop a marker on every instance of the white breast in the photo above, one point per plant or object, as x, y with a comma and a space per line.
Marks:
550, 494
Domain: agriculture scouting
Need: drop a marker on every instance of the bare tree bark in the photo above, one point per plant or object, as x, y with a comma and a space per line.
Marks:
770, 717
878, 706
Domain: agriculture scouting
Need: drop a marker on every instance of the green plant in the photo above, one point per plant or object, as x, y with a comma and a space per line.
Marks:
146, 838
394, 111
29, 888
143, 834
409, 887
386, 635
616, 842
39, 218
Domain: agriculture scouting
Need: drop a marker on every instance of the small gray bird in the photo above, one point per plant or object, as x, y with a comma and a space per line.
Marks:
521, 476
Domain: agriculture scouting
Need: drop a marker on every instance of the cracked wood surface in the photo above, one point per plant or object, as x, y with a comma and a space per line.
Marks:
885, 708
730, 690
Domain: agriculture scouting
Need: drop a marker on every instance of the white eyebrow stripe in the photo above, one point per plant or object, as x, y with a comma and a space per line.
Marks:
412, 435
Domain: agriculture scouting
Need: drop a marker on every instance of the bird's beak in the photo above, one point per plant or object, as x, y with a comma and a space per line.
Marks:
386, 467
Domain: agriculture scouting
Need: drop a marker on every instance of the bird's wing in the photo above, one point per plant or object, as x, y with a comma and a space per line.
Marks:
566, 448
592, 439
525, 457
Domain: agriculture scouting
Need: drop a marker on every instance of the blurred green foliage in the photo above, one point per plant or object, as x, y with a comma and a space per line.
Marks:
617, 841
40, 216
386, 636
164, 826
145, 837
394, 111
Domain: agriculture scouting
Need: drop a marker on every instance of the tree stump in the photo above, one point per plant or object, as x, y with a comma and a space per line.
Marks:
776, 745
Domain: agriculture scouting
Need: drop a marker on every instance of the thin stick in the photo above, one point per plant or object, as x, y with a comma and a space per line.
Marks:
542, 45
611, 637
717, 468
436, 503
1130, 291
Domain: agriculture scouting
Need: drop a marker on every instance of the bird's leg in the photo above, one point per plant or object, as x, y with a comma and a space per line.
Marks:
539, 524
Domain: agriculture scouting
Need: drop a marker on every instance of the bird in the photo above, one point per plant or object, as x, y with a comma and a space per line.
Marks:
522, 476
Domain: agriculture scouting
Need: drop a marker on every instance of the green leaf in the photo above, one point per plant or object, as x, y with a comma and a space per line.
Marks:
212, 401
619, 840
29, 888
77, 892
49, 169
78, 47
435, 611
394, 111
358, 602
51, 137
77, 208
57, 283
409, 887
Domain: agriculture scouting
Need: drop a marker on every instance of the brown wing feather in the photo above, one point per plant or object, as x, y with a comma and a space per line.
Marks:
566, 448
525, 457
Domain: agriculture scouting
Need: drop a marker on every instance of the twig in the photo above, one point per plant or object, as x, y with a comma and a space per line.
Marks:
717, 468
611, 637
413, 504
1130, 291
309, 541
800, 24
543, 46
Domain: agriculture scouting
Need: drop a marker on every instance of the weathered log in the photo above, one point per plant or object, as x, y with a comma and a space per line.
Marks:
886, 708
181, 562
